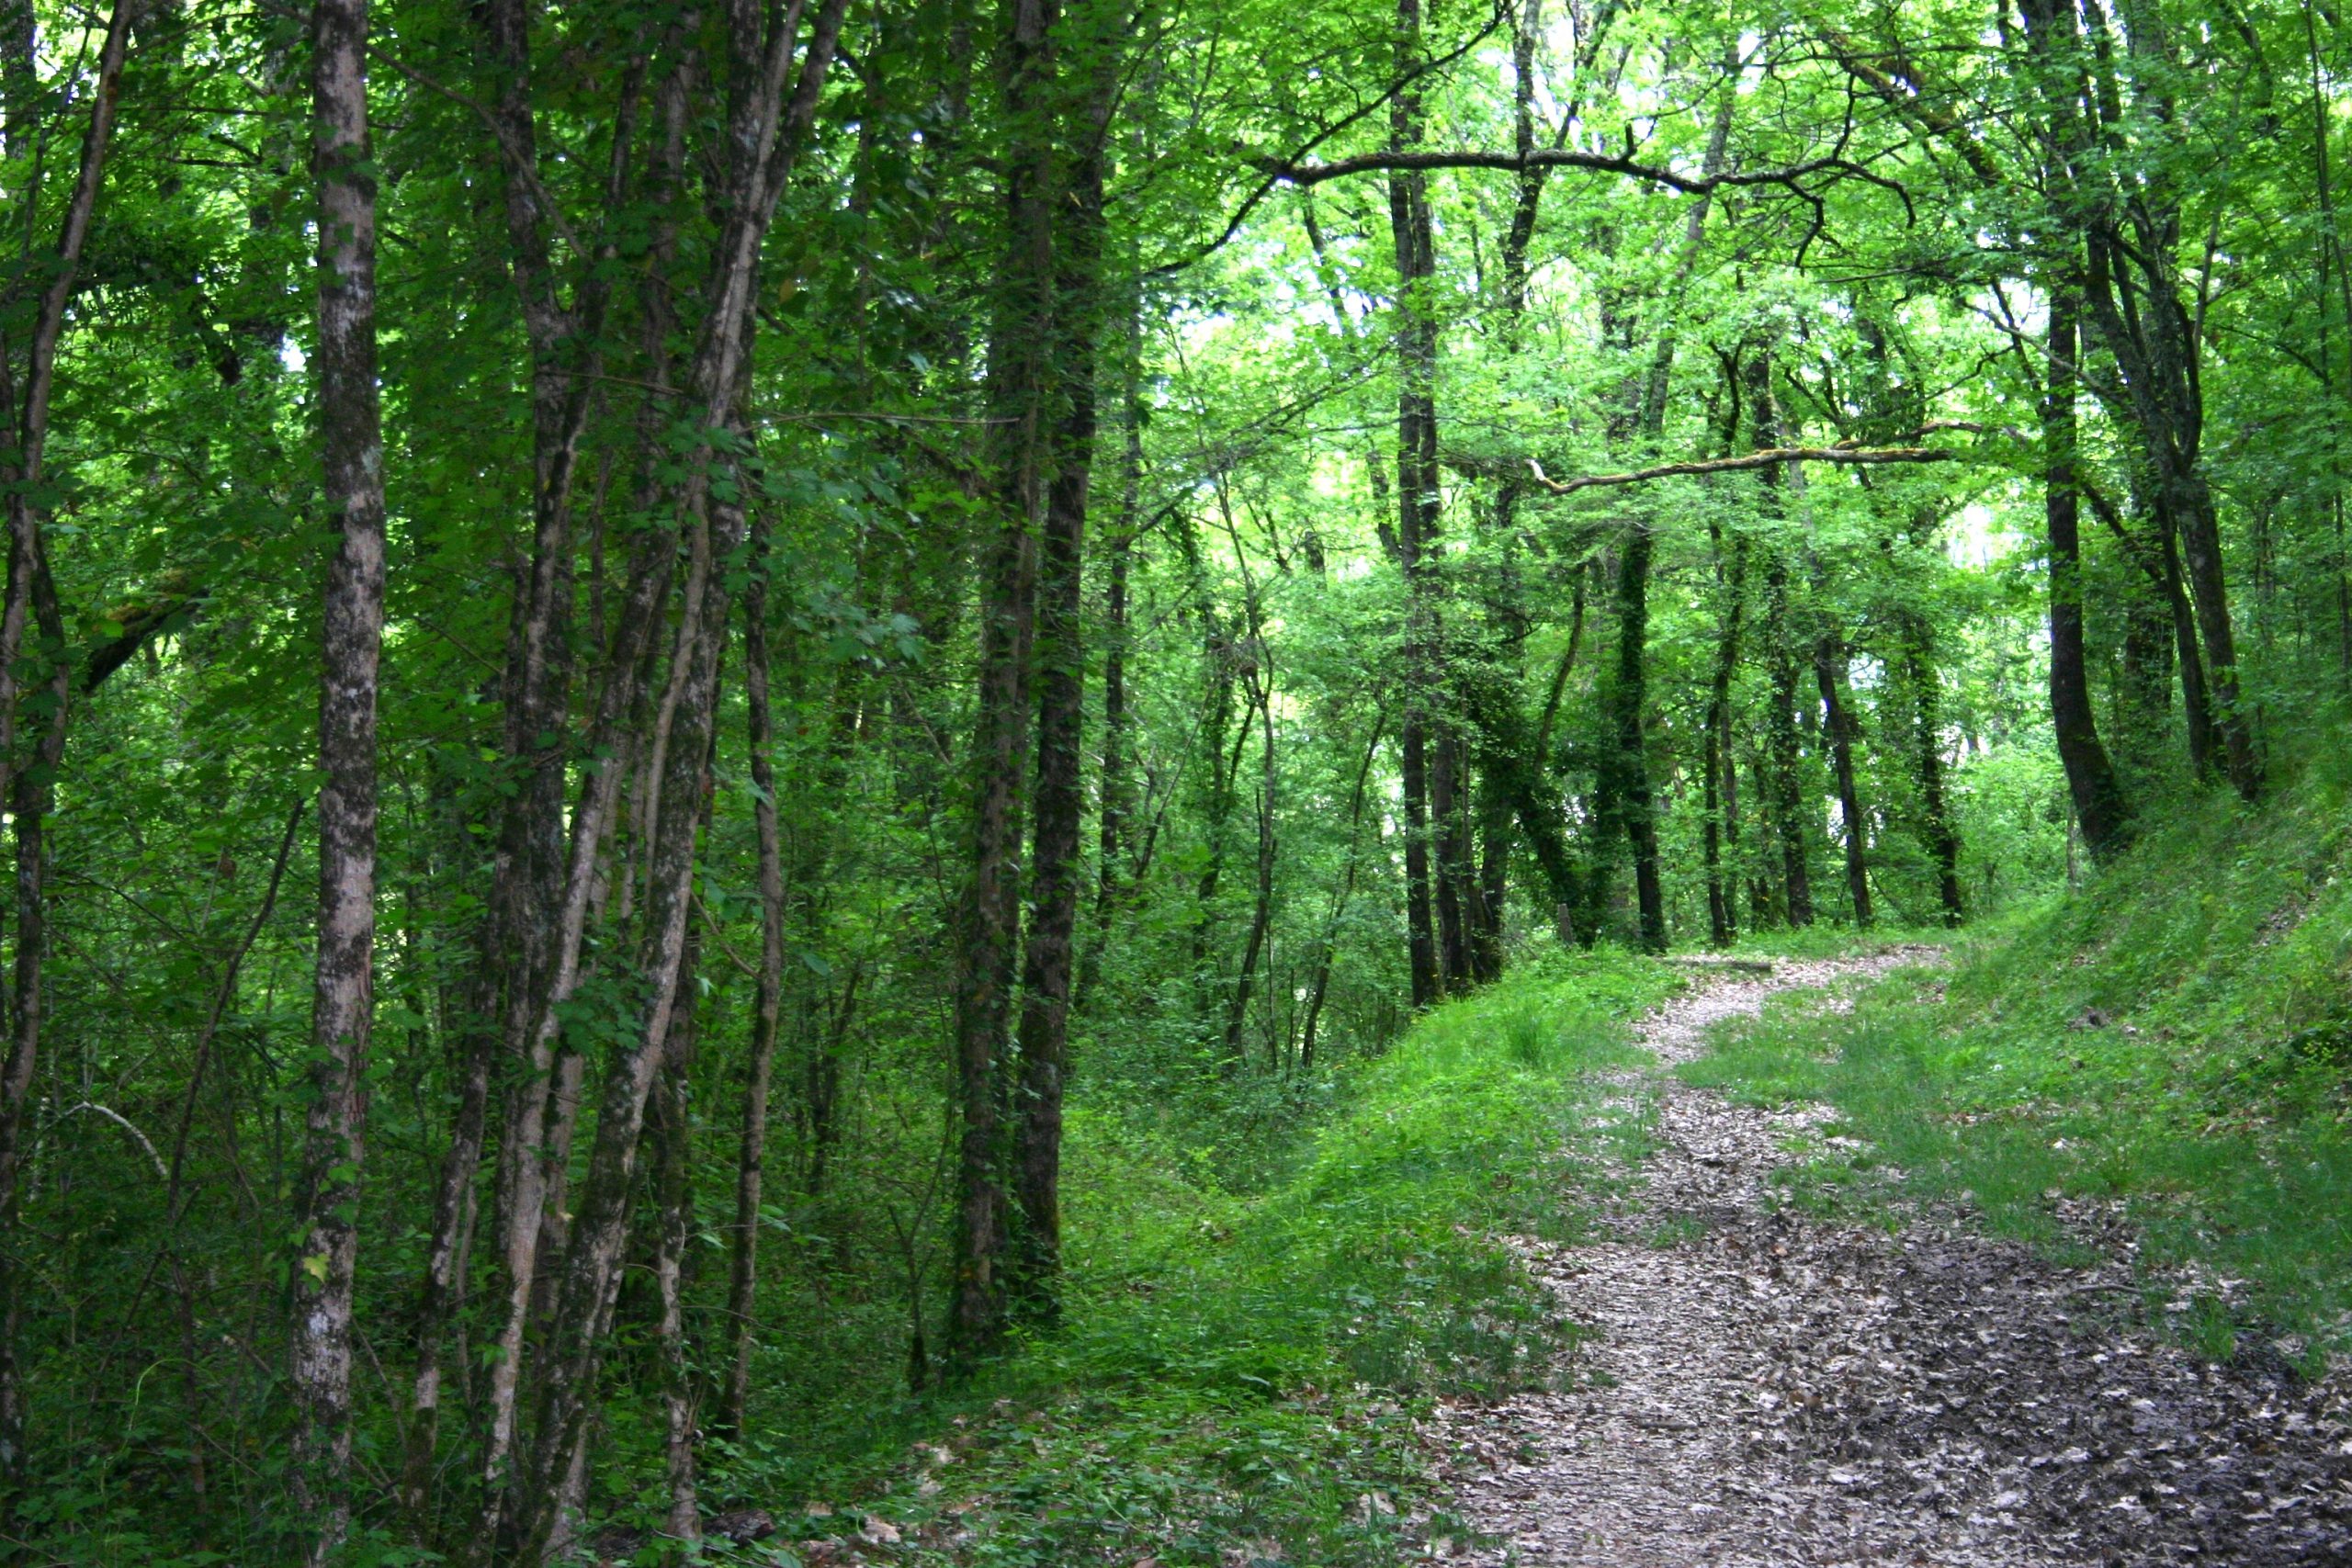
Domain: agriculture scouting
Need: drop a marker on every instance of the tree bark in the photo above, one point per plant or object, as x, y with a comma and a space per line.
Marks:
1055, 869
31, 597
1786, 797
516, 954
1321, 987
1837, 723
343, 997
770, 106
1020, 397
1630, 694
1417, 501
1262, 697
1715, 758
594, 855
743, 1284
1928, 742
2100, 805
674, 1222
1115, 789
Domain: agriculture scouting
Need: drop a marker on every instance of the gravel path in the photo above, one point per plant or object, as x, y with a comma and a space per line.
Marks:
1761, 1388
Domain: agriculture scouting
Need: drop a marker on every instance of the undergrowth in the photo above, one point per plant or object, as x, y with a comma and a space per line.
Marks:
2177, 1036
1239, 1373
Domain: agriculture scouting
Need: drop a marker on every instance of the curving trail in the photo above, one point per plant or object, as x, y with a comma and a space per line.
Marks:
1763, 1389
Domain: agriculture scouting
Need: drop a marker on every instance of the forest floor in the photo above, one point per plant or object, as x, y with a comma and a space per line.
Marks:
1765, 1381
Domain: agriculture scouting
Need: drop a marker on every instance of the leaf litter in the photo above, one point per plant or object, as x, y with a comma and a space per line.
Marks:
1759, 1386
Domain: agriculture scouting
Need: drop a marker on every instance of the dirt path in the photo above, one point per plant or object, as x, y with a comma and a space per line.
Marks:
1766, 1389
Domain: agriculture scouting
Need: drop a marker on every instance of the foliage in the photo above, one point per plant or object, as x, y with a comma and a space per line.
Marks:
1142, 291
1245, 1366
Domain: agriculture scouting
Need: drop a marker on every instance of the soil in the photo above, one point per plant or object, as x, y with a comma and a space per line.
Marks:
1761, 1386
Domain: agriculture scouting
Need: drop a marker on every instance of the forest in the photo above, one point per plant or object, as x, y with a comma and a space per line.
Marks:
795, 781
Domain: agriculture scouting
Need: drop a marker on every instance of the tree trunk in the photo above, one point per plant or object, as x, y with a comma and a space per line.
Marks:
1927, 740
31, 596
1261, 696
1630, 696
1786, 799
768, 115
1033, 1265
2100, 805
743, 1284
1325, 949
516, 955
1837, 722
1629, 693
1417, 499
1114, 790
674, 1222
1019, 394
343, 997
1452, 869
596, 858
1715, 752
1495, 838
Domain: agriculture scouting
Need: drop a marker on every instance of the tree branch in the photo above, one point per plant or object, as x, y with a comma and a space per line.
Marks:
1850, 454
1789, 178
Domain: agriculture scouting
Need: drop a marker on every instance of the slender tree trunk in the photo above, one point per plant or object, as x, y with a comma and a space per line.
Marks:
1418, 499
1495, 838
1716, 758
31, 596
1927, 720
1445, 829
1786, 798
2154, 348
1763, 905
2196, 697
592, 1260
2332, 265
1020, 355
768, 115
517, 954
1629, 692
597, 856
742, 1285
1034, 1262
1262, 905
1630, 697
674, 1220
1115, 790
1325, 949
2100, 805
1837, 722
342, 1003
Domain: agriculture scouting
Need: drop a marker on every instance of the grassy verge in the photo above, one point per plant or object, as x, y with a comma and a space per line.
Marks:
1238, 1374
2177, 1036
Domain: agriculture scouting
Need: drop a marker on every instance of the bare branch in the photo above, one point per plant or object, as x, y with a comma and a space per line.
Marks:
1857, 455
1791, 179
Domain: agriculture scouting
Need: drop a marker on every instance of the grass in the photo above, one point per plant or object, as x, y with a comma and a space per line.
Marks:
1238, 1374
2177, 1036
